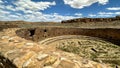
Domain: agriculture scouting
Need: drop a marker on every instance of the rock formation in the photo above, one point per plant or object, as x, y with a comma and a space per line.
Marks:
88, 20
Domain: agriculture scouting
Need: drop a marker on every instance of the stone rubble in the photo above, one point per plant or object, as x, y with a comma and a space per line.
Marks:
42, 56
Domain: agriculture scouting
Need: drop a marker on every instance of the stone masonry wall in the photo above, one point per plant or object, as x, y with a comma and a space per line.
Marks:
38, 34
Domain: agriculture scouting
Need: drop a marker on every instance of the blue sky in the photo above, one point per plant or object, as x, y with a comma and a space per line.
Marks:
56, 10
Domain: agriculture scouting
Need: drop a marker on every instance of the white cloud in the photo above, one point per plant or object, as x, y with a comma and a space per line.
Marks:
78, 14
117, 13
83, 3
57, 17
27, 11
14, 16
105, 13
4, 12
34, 16
113, 8
103, 2
30, 5
27, 6
31, 12
46, 17
109, 13
7, 16
1, 1
92, 15
9, 7
19, 14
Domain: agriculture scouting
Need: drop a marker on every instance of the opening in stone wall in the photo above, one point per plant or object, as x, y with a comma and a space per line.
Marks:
45, 30
32, 32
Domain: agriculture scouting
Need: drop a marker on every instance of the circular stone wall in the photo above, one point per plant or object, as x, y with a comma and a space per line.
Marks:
87, 47
41, 33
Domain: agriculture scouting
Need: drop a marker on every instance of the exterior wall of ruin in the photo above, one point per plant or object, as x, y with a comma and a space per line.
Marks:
47, 32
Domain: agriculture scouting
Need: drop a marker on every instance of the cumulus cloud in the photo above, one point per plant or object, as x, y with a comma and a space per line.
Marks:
113, 8
83, 3
31, 11
30, 5
24, 5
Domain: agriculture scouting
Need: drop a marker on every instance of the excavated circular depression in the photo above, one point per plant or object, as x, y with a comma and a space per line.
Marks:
88, 47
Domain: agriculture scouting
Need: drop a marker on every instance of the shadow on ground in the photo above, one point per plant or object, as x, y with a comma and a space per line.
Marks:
6, 63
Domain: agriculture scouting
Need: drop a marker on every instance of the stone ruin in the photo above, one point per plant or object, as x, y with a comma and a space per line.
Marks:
38, 34
22, 53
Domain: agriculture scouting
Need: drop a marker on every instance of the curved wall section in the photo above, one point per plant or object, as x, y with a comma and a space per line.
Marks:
37, 34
